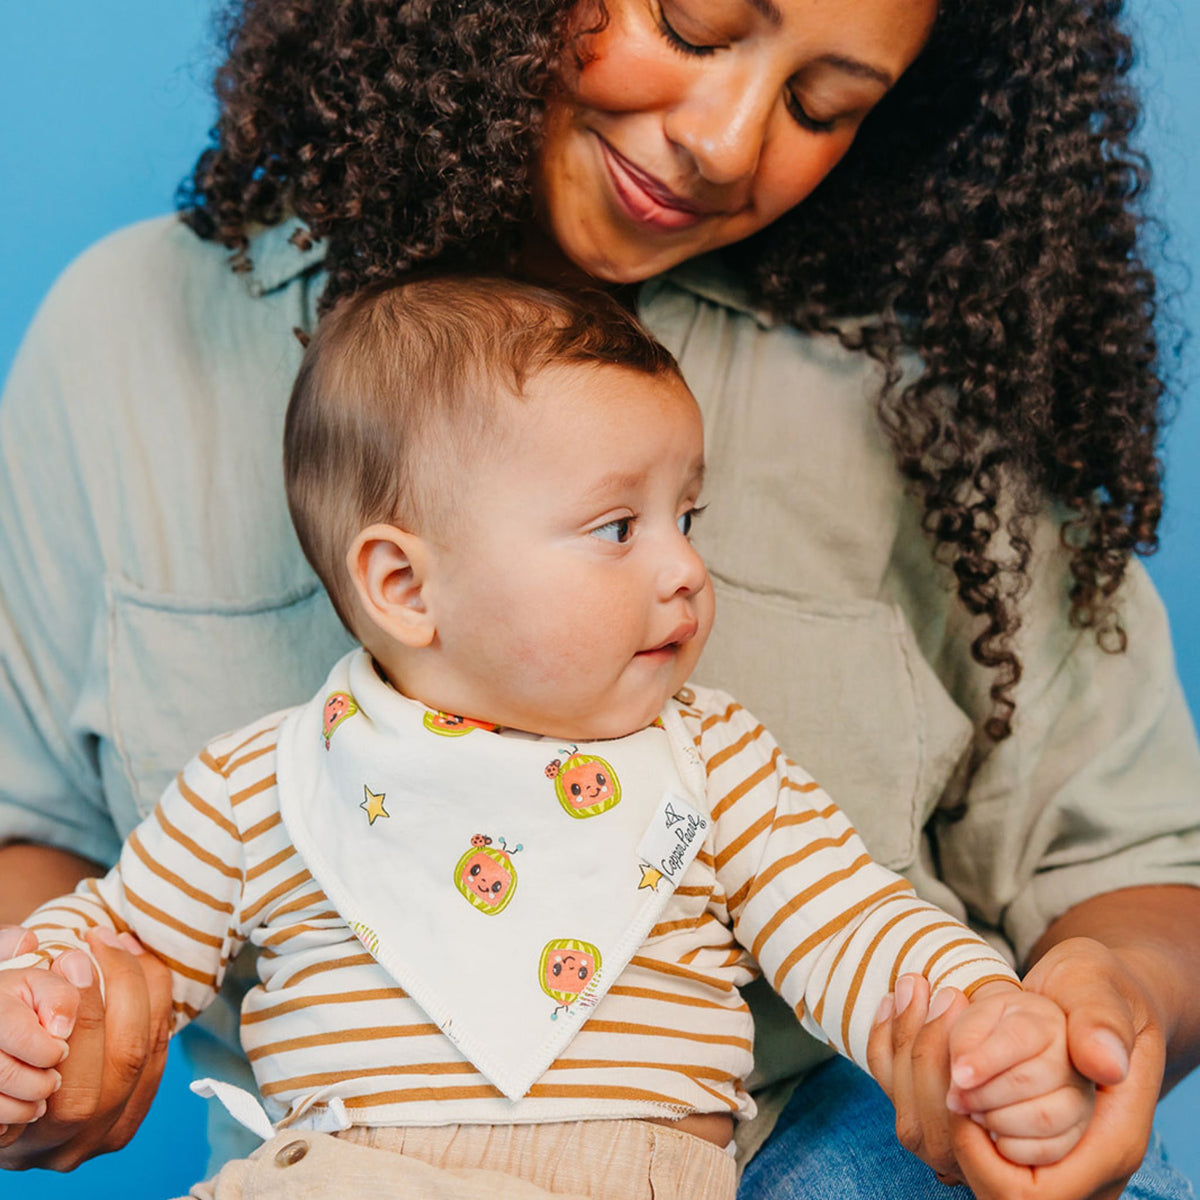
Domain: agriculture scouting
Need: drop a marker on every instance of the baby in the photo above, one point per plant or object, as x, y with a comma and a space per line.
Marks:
506, 872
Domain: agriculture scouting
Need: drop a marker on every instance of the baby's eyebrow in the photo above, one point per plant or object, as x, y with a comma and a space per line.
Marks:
617, 481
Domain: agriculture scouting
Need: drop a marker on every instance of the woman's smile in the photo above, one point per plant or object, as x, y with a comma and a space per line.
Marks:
644, 198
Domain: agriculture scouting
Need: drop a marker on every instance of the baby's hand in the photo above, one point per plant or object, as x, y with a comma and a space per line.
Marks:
37, 1014
1010, 1071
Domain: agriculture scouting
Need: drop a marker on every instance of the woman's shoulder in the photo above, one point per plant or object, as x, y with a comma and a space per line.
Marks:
152, 316
146, 259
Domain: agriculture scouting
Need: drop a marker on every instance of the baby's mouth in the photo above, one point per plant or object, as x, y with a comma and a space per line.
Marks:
683, 632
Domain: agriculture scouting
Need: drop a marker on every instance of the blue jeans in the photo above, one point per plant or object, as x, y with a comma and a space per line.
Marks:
836, 1140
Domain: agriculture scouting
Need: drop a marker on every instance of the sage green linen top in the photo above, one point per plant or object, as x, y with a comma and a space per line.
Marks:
153, 594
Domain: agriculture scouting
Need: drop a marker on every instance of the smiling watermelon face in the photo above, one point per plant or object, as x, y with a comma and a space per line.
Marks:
586, 786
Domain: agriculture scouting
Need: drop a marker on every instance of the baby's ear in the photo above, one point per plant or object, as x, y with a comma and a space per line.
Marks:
389, 569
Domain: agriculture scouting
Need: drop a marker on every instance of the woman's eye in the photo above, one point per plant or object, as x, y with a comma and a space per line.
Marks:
615, 531
800, 115
680, 43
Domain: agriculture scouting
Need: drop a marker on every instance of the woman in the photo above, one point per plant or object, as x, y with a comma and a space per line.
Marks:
982, 213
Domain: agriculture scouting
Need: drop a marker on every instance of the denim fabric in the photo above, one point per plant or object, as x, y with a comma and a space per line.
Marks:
836, 1141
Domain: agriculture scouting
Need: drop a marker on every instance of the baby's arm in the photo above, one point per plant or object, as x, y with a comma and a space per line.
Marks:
830, 928
178, 888
1011, 1073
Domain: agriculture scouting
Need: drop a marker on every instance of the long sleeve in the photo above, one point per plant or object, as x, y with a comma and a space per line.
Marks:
179, 887
831, 929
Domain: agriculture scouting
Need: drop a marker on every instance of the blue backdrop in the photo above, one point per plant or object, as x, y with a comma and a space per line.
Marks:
104, 109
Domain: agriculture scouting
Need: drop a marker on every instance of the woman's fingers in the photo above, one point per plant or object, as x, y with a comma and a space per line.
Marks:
879, 1044
152, 1013
75, 1101
1085, 979
908, 1052
14, 940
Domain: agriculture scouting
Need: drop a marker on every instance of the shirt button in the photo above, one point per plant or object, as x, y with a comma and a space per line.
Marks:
291, 1154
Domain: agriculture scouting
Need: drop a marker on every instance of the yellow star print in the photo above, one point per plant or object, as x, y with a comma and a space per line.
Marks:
373, 805
650, 878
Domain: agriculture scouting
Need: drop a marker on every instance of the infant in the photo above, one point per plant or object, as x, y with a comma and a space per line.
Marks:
507, 871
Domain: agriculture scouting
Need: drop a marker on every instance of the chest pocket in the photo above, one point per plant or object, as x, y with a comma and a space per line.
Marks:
846, 692
183, 671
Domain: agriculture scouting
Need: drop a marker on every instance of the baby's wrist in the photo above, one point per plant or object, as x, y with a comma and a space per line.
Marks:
994, 987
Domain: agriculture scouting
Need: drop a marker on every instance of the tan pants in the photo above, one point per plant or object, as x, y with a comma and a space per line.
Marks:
580, 1160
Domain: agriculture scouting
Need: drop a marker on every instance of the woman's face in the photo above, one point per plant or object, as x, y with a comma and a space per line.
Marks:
691, 124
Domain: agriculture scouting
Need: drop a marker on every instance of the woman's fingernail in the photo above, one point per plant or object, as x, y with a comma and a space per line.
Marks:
10, 939
904, 992
979, 1119
884, 1010
77, 968
40, 1111
130, 943
941, 1002
1114, 1047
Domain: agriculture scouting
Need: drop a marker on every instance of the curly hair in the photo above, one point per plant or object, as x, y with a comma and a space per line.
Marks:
987, 217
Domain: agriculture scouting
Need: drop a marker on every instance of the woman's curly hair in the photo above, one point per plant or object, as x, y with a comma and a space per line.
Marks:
987, 216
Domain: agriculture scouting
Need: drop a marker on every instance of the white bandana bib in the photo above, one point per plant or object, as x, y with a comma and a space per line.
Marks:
502, 879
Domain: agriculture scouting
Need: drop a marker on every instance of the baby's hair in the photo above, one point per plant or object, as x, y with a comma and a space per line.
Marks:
404, 374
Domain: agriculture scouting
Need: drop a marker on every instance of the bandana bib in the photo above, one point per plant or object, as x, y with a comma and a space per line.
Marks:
502, 879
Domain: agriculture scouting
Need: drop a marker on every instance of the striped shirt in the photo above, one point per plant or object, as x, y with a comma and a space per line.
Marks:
782, 886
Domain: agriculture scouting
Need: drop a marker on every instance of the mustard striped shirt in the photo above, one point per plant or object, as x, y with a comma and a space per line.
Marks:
782, 885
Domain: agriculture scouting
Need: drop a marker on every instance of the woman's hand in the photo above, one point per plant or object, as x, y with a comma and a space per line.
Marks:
117, 1052
908, 1053
1114, 1039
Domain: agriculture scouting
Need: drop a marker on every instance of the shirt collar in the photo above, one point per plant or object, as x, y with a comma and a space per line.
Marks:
275, 261
711, 279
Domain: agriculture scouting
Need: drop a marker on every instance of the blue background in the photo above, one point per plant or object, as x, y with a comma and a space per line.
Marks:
105, 106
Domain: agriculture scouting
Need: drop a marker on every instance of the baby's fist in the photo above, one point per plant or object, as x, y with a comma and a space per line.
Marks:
1011, 1072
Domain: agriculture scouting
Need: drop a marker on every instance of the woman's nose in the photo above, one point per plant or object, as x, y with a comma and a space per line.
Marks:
722, 126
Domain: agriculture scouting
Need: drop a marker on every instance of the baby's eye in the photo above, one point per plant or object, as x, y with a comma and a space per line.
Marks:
686, 520
615, 531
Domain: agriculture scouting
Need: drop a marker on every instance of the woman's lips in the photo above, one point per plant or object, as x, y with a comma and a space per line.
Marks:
646, 199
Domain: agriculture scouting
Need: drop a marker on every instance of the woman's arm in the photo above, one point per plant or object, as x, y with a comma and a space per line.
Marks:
31, 874
1135, 974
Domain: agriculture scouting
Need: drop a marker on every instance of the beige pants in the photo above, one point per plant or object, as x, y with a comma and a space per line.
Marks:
581, 1160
